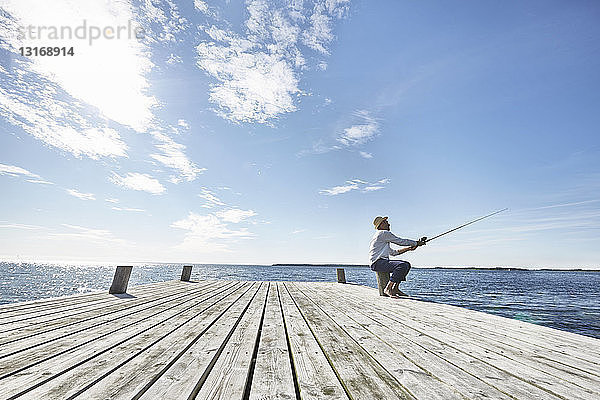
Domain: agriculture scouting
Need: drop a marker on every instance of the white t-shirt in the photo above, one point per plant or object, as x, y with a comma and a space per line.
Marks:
380, 245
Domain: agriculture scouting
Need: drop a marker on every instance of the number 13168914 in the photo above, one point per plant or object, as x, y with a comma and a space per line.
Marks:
46, 51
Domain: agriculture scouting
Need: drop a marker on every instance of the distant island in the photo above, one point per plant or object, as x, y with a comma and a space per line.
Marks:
322, 265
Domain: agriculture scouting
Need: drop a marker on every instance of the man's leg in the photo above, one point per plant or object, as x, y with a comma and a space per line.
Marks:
384, 265
399, 273
389, 289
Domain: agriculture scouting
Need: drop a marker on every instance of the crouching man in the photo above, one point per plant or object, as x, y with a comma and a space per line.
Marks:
380, 252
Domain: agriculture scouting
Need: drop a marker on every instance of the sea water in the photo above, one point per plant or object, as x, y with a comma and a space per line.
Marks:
567, 300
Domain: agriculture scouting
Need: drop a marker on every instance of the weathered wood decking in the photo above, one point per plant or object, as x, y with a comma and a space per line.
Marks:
261, 340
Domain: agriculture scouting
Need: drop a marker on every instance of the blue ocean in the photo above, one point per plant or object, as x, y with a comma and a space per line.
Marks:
567, 300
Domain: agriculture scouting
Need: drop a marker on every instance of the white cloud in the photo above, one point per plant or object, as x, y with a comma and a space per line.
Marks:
319, 34
208, 233
235, 215
108, 74
174, 59
137, 181
254, 87
33, 104
373, 188
201, 6
319, 147
93, 142
211, 198
364, 128
173, 156
164, 20
79, 195
184, 124
127, 209
20, 226
110, 200
355, 184
258, 72
360, 133
13, 170
339, 189
569, 204
92, 235
357, 134
40, 181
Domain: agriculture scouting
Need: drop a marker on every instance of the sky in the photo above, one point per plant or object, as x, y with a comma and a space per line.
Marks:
260, 132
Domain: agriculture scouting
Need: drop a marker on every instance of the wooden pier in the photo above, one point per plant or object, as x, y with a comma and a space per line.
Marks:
282, 340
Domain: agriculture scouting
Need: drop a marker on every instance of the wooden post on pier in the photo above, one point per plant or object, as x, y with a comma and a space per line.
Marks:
341, 275
186, 274
120, 281
382, 280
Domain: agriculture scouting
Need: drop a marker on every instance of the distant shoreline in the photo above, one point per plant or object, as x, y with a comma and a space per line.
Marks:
452, 268
327, 265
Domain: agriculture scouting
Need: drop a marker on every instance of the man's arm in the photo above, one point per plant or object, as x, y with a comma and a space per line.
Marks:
390, 237
402, 251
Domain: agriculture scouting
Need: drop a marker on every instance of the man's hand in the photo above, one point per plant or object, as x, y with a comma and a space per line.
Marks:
422, 241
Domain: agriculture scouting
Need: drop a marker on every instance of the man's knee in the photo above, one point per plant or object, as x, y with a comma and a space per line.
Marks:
407, 265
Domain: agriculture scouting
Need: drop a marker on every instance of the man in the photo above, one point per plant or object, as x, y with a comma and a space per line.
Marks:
380, 252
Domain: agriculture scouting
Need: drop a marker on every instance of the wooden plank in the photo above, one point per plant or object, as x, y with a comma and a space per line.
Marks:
421, 347
129, 379
228, 378
31, 313
316, 378
58, 342
191, 366
559, 365
49, 372
273, 377
513, 341
52, 302
62, 350
358, 371
32, 338
359, 345
540, 337
126, 361
78, 310
58, 314
560, 382
423, 373
492, 329
569, 343
551, 386
9, 309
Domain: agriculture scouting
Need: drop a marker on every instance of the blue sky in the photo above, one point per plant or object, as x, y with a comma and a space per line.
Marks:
273, 132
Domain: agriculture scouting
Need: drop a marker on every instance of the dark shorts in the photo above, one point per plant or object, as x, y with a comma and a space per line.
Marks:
399, 269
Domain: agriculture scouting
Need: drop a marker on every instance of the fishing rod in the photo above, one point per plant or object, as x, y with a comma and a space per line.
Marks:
468, 223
